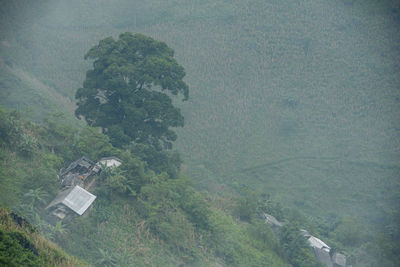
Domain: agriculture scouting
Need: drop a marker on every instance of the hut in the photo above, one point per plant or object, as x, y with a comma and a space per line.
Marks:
112, 162
79, 172
273, 222
72, 200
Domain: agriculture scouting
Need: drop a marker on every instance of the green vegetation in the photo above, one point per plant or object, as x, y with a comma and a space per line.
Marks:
296, 247
141, 216
154, 216
297, 101
22, 245
119, 95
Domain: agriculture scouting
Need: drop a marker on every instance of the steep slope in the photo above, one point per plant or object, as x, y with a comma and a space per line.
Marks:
22, 91
270, 82
22, 245
144, 213
299, 100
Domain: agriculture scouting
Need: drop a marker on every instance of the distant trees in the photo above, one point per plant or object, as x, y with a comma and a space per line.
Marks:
125, 92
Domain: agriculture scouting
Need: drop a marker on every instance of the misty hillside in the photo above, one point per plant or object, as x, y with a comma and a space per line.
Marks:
298, 101
26, 247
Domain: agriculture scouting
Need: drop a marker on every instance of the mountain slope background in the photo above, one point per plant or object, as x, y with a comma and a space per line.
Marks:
298, 100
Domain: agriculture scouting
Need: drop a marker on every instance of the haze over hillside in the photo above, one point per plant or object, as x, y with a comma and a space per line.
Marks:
296, 99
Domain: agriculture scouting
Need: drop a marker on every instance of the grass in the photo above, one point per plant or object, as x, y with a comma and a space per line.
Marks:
32, 249
299, 100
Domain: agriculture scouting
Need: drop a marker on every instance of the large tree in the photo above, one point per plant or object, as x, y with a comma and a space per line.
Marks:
126, 92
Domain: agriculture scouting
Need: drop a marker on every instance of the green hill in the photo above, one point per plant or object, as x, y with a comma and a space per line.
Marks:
22, 245
144, 213
296, 100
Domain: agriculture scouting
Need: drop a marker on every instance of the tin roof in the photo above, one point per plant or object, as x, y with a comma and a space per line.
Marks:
77, 199
272, 220
112, 157
318, 243
110, 161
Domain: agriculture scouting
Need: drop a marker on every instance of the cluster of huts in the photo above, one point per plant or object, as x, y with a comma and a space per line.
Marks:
321, 250
76, 181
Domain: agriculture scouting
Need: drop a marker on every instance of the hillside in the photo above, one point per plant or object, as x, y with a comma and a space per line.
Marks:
144, 213
22, 91
298, 101
268, 83
22, 245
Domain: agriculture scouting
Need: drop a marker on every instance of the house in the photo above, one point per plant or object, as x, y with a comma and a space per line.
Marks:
79, 172
322, 251
72, 200
82, 165
112, 162
318, 243
272, 221
77, 177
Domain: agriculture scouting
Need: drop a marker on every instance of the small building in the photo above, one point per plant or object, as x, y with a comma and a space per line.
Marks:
79, 172
273, 222
112, 162
73, 200
318, 243
82, 165
77, 177
322, 251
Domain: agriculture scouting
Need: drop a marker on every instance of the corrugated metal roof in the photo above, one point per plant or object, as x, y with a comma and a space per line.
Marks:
59, 198
110, 161
318, 243
77, 199
272, 220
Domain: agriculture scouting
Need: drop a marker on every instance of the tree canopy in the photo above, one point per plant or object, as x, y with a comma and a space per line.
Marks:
126, 91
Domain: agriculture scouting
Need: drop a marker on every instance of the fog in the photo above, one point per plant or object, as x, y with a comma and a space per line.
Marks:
299, 100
